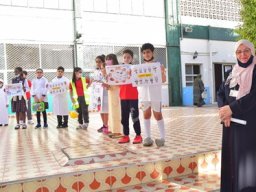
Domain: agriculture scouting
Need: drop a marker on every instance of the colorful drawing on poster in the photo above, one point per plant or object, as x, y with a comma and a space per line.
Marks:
57, 88
96, 96
146, 74
118, 74
15, 89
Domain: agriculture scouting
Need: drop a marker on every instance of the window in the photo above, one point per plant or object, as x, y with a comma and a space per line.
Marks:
191, 71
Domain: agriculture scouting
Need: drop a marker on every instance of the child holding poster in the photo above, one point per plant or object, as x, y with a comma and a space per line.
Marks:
39, 93
100, 77
60, 101
19, 102
150, 99
129, 105
3, 105
113, 104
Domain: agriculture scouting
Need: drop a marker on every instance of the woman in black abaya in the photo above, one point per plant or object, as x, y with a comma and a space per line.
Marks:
237, 99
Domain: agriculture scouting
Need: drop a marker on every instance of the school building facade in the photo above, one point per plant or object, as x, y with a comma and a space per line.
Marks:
190, 37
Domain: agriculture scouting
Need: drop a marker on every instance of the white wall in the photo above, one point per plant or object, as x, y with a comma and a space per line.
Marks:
34, 24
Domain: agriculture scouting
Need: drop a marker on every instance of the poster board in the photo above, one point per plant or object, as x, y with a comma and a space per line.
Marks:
146, 74
118, 74
56, 88
15, 89
96, 96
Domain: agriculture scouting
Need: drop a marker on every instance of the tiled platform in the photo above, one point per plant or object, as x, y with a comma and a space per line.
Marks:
33, 160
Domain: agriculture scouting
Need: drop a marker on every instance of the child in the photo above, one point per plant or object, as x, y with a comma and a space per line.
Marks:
60, 101
18, 102
28, 96
80, 97
3, 105
113, 103
129, 104
39, 93
99, 77
150, 97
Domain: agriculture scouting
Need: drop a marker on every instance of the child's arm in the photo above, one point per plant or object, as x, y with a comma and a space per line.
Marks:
163, 73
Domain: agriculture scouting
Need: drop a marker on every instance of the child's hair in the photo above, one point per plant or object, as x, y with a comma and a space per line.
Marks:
19, 69
39, 69
101, 57
113, 58
60, 68
25, 73
147, 46
128, 51
76, 69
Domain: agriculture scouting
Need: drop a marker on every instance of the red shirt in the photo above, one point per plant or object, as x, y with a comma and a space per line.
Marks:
79, 87
28, 92
128, 92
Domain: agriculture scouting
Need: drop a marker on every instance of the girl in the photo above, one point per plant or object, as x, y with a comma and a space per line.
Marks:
18, 102
3, 105
80, 97
114, 103
39, 93
99, 77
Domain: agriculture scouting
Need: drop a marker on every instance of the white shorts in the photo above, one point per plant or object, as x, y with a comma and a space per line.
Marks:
155, 105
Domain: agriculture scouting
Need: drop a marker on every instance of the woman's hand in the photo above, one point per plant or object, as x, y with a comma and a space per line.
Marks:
227, 122
225, 112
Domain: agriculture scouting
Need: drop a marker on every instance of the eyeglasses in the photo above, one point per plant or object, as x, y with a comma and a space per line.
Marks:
246, 52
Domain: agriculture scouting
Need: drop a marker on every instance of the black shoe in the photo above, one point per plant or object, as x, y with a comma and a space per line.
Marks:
59, 126
1, 125
6, 125
45, 125
24, 126
38, 126
17, 127
100, 130
64, 125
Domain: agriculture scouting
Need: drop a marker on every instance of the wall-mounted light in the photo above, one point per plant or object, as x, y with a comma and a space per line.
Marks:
195, 55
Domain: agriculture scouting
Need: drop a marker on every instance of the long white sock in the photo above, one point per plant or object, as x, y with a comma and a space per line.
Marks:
147, 128
160, 125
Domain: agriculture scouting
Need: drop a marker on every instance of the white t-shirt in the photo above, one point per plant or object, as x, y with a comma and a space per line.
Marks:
150, 93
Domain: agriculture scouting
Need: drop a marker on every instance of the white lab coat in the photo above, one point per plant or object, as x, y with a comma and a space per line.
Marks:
3, 109
60, 101
39, 88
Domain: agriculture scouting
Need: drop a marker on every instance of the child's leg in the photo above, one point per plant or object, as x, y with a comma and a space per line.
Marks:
159, 118
135, 116
65, 123
45, 117
85, 113
59, 119
147, 126
17, 118
125, 112
29, 114
38, 118
79, 110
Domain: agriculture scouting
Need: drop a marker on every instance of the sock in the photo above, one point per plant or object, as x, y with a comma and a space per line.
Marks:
160, 125
147, 128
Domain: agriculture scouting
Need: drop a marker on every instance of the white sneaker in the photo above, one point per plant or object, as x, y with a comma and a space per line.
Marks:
85, 126
79, 126
30, 122
160, 142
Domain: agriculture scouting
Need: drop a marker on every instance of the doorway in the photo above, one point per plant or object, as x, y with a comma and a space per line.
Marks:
221, 71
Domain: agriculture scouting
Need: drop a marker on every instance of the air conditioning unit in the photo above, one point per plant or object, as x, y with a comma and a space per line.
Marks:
188, 29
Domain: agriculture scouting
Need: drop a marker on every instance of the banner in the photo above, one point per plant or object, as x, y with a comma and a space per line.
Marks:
57, 88
96, 96
118, 74
15, 89
146, 74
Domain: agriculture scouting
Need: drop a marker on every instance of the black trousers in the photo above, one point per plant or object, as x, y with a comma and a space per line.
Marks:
83, 114
130, 107
38, 117
65, 120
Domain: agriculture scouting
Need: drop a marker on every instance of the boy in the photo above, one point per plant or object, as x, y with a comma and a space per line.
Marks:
39, 93
3, 105
28, 95
129, 105
150, 98
60, 101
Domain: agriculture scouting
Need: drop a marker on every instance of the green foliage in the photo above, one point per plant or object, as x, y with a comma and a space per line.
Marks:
248, 14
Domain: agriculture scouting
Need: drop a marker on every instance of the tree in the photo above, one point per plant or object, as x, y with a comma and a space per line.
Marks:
248, 15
